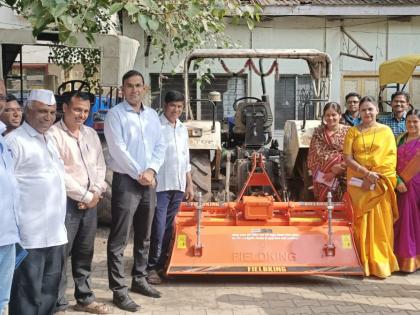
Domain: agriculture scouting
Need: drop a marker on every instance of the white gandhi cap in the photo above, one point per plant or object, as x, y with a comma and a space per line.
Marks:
43, 96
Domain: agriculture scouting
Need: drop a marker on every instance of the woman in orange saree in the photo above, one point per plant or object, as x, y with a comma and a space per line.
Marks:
325, 157
407, 228
371, 155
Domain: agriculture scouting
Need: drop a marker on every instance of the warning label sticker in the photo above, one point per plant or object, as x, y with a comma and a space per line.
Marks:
346, 241
181, 241
264, 236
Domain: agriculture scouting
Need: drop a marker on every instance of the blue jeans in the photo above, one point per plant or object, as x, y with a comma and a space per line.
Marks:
167, 206
7, 266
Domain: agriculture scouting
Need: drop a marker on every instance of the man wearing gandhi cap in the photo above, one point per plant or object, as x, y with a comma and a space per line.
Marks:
40, 176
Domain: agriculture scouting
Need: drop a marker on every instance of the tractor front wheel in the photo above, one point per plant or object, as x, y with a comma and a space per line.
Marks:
201, 173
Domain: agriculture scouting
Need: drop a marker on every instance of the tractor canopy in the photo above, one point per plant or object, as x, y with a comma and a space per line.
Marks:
398, 70
319, 63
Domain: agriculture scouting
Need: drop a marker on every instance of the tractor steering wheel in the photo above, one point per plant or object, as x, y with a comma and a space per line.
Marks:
83, 86
244, 98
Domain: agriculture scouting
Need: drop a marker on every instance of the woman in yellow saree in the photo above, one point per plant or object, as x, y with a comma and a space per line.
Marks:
371, 155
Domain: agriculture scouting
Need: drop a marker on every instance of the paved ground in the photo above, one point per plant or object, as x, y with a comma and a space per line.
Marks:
399, 294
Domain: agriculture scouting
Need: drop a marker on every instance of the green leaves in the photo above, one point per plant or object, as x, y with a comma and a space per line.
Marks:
131, 8
115, 7
68, 57
176, 26
153, 24
143, 19
59, 10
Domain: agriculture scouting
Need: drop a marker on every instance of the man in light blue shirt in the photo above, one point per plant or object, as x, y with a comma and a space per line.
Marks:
174, 182
136, 153
8, 207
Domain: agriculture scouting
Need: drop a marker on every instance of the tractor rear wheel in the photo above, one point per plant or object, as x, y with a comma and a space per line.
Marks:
303, 181
201, 173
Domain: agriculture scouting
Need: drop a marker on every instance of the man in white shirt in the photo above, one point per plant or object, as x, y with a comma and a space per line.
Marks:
136, 151
40, 175
80, 149
8, 207
173, 183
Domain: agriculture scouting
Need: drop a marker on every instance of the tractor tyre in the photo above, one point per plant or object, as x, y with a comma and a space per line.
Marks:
201, 173
301, 173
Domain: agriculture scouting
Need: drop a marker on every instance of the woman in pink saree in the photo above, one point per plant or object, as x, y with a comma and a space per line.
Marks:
325, 157
407, 228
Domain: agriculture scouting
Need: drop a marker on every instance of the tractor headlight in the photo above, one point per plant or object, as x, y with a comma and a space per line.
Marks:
196, 132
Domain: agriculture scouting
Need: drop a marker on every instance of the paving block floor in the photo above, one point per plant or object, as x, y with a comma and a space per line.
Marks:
399, 294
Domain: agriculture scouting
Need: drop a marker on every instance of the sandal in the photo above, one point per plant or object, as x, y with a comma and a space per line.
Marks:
93, 308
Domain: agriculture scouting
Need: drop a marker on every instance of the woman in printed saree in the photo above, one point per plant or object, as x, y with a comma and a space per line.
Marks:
371, 155
407, 228
325, 158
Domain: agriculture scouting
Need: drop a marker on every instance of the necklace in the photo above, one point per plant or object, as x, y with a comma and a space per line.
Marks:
371, 145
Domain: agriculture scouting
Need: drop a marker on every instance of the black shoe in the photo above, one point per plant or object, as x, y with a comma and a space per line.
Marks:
153, 277
125, 303
141, 286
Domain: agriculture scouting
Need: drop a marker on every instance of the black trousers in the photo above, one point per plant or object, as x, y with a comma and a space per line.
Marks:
35, 282
81, 230
131, 204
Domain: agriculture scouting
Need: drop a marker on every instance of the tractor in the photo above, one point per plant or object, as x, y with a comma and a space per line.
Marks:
260, 225
231, 142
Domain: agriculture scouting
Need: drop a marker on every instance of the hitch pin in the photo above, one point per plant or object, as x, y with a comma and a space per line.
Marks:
329, 248
198, 248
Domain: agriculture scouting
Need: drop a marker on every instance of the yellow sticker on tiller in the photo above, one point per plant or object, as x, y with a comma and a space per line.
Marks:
181, 241
346, 241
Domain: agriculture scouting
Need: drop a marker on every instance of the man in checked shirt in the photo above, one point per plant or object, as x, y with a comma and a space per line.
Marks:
80, 149
400, 102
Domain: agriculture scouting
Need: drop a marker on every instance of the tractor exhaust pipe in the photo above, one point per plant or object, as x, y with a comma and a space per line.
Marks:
264, 96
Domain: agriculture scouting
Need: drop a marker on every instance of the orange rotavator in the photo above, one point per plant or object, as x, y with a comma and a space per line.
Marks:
260, 234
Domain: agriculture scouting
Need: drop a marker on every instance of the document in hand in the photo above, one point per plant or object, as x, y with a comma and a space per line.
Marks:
319, 178
357, 182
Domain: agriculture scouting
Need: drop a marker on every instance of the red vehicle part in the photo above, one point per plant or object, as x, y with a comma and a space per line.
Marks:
260, 234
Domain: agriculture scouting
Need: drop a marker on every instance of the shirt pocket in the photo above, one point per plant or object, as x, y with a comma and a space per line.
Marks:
7, 159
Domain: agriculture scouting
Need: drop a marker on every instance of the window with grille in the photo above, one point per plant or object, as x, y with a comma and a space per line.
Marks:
170, 82
229, 87
291, 94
